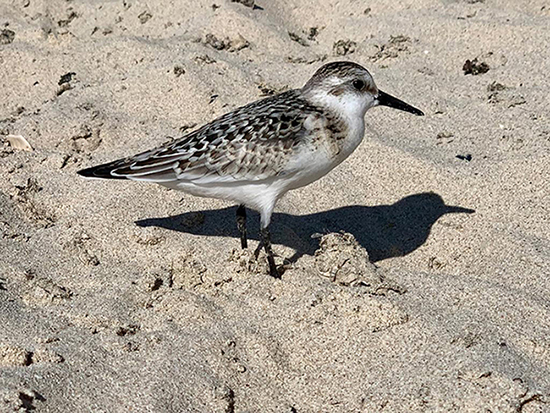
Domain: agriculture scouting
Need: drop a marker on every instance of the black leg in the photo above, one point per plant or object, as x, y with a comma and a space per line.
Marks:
241, 225
266, 241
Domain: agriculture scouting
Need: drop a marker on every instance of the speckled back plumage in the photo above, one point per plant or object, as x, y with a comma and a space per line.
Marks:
250, 143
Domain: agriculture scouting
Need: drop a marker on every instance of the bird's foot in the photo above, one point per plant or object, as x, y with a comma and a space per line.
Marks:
274, 270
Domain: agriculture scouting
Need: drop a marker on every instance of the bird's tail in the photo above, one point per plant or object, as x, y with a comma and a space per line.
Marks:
103, 171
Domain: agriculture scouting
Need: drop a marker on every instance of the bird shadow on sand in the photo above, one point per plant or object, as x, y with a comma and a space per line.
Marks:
385, 231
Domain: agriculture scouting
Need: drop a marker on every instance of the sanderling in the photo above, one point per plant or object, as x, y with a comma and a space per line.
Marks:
255, 154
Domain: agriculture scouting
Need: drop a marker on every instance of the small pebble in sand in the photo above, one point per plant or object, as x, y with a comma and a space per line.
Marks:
145, 17
475, 67
178, 71
467, 157
212, 41
231, 45
312, 33
393, 48
6, 36
19, 142
301, 41
65, 22
344, 47
66, 78
204, 59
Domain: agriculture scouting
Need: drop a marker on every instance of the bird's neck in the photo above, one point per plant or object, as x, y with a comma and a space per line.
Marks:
348, 107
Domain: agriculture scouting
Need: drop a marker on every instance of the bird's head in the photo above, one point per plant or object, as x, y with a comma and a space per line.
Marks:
349, 88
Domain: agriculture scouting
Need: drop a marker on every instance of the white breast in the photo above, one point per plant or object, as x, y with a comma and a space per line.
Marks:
322, 152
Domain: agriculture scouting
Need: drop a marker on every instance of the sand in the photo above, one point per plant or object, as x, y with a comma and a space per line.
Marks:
117, 296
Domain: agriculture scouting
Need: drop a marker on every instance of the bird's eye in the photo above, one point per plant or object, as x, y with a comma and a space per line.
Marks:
358, 84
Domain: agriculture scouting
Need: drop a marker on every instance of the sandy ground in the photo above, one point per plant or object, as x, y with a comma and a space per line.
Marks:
117, 296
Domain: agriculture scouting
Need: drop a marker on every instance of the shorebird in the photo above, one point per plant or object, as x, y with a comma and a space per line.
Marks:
256, 153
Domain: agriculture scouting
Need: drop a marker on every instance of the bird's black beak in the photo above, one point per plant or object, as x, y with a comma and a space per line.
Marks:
388, 100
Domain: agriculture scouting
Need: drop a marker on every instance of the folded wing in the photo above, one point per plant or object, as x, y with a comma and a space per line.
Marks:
250, 143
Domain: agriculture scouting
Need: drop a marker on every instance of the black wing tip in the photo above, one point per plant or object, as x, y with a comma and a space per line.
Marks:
100, 171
